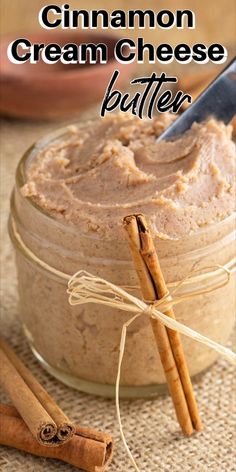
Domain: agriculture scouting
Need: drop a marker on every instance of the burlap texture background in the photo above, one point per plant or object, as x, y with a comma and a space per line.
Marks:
150, 426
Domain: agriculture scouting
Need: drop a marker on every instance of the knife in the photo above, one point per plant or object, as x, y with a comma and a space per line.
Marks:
218, 100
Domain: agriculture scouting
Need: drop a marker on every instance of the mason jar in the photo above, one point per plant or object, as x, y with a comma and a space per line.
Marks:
80, 344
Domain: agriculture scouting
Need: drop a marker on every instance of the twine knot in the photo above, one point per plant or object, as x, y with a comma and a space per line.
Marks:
162, 304
149, 309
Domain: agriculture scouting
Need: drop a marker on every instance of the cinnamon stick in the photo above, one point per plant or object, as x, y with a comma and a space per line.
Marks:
88, 449
46, 421
151, 281
150, 257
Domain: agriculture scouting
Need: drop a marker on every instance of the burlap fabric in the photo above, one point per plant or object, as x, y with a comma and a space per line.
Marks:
150, 426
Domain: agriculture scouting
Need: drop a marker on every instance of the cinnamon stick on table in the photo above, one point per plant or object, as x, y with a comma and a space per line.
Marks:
88, 449
168, 341
46, 421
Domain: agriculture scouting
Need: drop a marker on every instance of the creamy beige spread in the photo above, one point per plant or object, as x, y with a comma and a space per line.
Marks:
88, 178
114, 166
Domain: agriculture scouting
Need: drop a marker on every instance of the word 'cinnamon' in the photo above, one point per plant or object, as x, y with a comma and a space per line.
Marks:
168, 341
88, 449
46, 421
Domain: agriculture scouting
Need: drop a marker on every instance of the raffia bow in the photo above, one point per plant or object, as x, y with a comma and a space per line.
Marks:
84, 287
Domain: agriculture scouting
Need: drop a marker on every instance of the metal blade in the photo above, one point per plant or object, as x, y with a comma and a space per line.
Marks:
218, 100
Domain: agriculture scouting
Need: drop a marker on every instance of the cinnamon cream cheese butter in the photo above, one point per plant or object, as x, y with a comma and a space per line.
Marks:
72, 191
114, 166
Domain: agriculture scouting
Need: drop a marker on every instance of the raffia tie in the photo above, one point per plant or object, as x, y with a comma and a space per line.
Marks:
84, 287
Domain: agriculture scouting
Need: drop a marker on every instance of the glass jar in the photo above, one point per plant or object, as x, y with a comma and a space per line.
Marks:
80, 344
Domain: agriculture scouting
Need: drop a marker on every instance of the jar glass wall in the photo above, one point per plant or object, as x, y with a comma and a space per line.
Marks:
80, 344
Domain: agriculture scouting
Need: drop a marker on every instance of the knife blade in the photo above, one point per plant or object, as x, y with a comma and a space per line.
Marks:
218, 100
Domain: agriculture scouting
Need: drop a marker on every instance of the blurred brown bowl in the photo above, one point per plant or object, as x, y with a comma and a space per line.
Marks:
56, 90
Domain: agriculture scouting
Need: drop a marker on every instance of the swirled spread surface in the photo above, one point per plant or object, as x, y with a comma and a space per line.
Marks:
97, 173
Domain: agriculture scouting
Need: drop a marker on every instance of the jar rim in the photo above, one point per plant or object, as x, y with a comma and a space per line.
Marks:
208, 273
31, 152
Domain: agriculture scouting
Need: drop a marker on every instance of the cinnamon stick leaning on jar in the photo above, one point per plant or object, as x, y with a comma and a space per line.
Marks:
168, 341
88, 449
